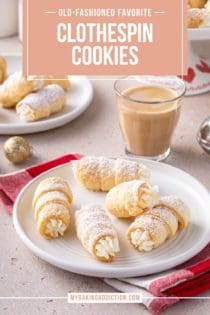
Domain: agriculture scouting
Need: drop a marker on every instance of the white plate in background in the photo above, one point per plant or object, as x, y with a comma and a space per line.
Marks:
79, 98
67, 252
199, 33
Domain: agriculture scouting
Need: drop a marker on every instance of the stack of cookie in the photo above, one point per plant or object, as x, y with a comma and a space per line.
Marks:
198, 13
130, 196
33, 99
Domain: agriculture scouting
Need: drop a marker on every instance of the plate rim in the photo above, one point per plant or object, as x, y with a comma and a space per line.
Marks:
53, 122
91, 271
199, 33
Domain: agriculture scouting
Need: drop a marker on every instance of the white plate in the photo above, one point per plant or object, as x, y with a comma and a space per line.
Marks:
199, 33
79, 98
67, 253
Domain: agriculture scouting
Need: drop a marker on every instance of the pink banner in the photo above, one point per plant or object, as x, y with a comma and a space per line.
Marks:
105, 37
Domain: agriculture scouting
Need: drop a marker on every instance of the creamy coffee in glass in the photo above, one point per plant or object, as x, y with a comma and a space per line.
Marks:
149, 109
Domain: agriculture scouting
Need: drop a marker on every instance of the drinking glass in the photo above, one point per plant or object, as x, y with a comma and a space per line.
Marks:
149, 109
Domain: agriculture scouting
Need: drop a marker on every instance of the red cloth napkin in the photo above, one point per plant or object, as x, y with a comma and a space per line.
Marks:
11, 184
158, 291
161, 290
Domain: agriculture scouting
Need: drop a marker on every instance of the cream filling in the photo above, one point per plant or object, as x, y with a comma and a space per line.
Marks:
25, 113
55, 228
149, 196
141, 240
107, 247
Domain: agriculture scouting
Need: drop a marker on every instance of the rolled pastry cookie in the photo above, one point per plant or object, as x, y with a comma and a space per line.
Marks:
3, 70
147, 232
96, 233
102, 174
176, 206
16, 87
52, 184
42, 104
50, 197
160, 223
130, 199
63, 81
197, 3
52, 207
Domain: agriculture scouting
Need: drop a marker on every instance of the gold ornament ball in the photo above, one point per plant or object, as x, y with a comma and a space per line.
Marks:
17, 150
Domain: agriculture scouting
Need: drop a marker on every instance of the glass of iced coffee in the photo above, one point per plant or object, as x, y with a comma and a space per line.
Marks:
149, 109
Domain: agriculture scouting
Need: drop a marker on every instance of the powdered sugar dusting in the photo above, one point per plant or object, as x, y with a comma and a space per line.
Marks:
138, 190
99, 170
130, 170
92, 224
52, 196
150, 224
17, 79
45, 97
161, 221
55, 185
177, 205
94, 217
12, 81
167, 217
164, 214
56, 210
